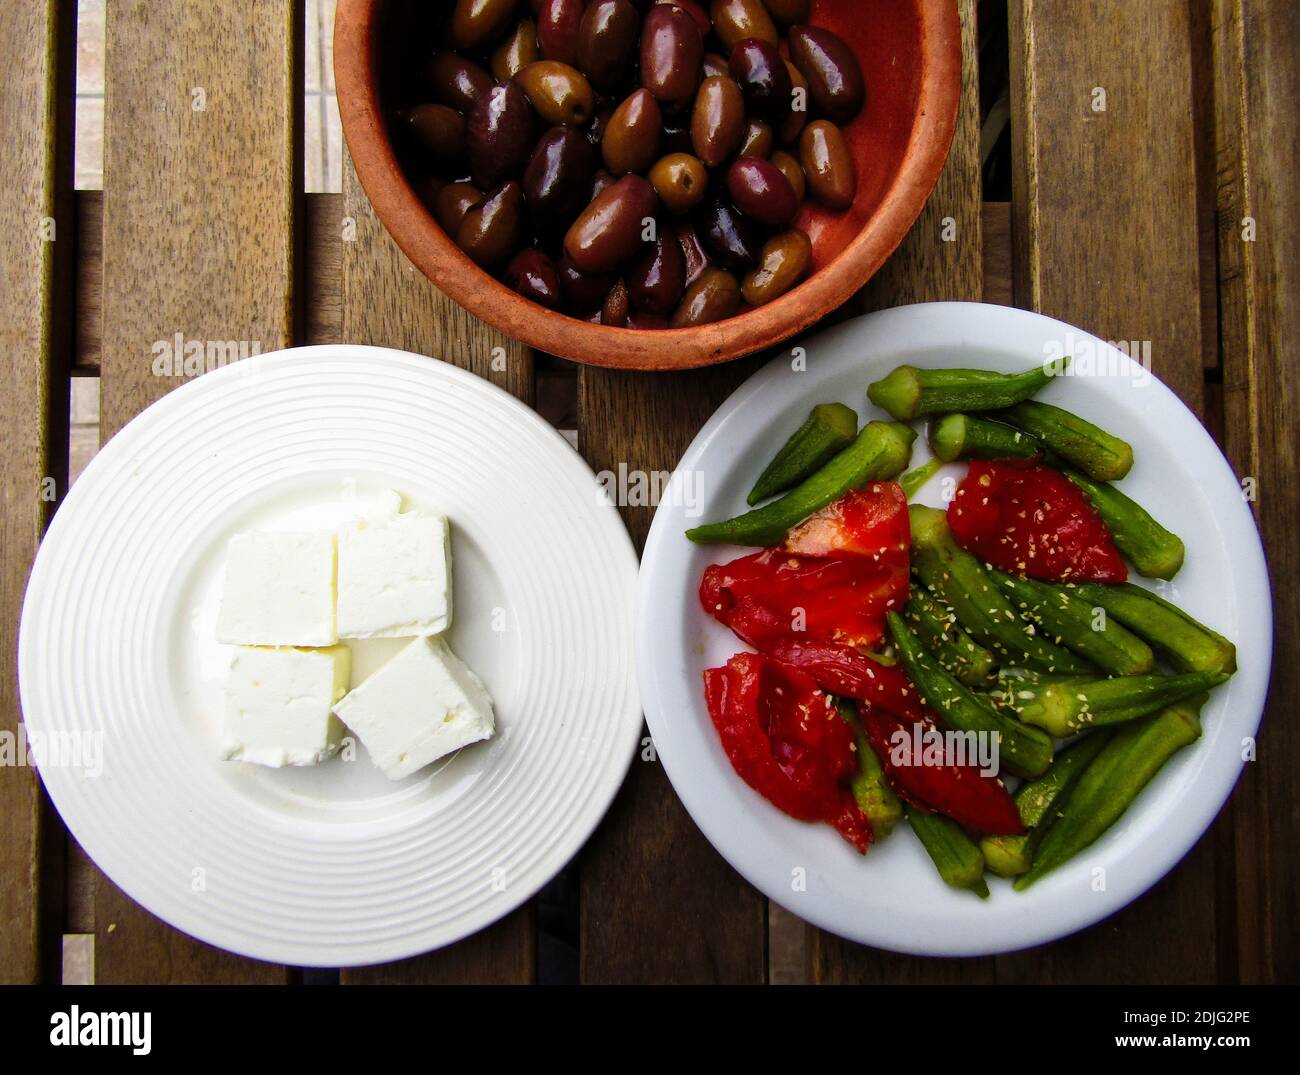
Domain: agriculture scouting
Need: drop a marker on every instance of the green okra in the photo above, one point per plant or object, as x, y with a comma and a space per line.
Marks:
1071, 622
1009, 856
1065, 709
1157, 553
953, 648
1094, 451
871, 791
880, 452
914, 479
908, 392
1022, 750
963, 436
1188, 645
1111, 782
955, 855
829, 429
960, 581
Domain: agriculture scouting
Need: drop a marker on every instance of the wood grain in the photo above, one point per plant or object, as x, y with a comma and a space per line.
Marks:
942, 258
1105, 237
36, 54
385, 301
1256, 84
199, 239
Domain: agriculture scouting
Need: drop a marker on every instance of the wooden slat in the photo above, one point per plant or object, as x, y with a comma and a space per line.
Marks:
926, 268
199, 239
1256, 84
384, 300
1105, 222
36, 54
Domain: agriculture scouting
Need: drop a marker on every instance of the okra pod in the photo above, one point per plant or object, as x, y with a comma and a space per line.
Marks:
1111, 782
914, 479
955, 855
870, 789
1022, 750
1072, 622
958, 579
1094, 451
908, 392
1188, 645
1157, 553
1065, 709
1009, 856
953, 648
963, 436
880, 452
829, 429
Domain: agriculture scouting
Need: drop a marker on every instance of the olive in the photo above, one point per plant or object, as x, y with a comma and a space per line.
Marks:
672, 53
437, 128
757, 140
607, 39
616, 307
602, 179
476, 22
692, 249
827, 164
631, 141
793, 173
658, 278
501, 134
680, 180
735, 20
582, 291
559, 93
533, 275
761, 191
643, 320
791, 121
451, 204
761, 74
718, 120
608, 232
731, 239
701, 17
834, 76
788, 12
781, 265
558, 25
715, 296
458, 82
714, 65
516, 52
558, 176
491, 229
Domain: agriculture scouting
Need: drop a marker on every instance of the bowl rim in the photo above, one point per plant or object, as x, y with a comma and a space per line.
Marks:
436, 255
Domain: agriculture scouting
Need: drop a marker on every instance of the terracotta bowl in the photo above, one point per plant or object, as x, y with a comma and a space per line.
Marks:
910, 51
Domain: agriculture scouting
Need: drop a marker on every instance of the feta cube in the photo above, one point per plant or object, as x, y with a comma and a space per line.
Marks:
394, 577
279, 590
279, 701
423, 704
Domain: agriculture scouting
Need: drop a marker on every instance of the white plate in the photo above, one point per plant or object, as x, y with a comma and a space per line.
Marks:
333, 865
893, 898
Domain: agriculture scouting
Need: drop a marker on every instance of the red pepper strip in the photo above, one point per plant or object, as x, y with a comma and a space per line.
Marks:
1032, 520
850, 672
961, 792
869, 522
786, 740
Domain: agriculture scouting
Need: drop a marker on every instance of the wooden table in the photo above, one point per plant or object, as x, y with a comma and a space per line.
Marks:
1153, 161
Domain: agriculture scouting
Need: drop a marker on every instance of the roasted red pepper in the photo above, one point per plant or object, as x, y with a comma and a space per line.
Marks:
934, 781
847, 671
1032, 520
787, 741
838, 574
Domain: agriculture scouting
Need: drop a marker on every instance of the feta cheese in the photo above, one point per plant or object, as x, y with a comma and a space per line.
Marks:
279, 590
394, 577
279, 701
423, 704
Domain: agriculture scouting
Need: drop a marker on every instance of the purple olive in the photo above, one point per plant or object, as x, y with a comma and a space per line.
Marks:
500, 135
761, 191
761, 74
672, 56
532, 274
732, 240
832, 70
656, 282
582, 291
607, 40
558, 176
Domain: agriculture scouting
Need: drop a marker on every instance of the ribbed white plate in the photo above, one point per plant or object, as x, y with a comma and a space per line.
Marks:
332, 865
893, 898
